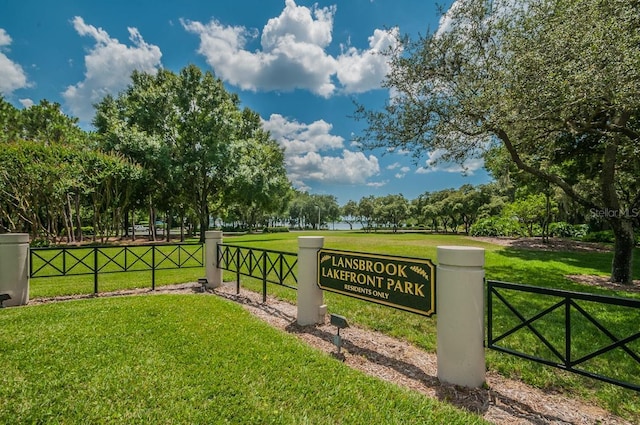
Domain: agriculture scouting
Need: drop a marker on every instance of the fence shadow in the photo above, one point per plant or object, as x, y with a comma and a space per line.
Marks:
475, 400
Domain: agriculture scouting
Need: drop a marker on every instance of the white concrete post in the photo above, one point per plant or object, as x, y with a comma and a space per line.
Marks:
460, 315
311, 308
214, 275
14, 268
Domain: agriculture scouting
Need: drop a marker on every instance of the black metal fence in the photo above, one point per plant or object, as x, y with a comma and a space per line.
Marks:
96, 260
269, 266
578, 332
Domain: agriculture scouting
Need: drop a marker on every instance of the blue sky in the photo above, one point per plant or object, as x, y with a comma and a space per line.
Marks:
299, 64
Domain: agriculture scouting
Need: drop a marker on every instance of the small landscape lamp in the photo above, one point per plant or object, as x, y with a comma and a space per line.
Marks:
340, 322
203, 283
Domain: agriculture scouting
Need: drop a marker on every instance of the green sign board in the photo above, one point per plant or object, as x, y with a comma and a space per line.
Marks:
399, 282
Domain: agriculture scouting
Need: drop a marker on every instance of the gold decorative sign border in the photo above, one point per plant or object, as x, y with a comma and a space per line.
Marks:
400, 282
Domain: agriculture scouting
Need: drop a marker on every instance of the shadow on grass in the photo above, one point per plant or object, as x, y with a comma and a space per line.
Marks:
475, 400
550, 268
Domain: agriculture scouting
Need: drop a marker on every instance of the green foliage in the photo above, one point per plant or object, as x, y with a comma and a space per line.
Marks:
201, 154
275, 230
40, 243
603, 236
551, 83
496, 227
562, 229
40, 183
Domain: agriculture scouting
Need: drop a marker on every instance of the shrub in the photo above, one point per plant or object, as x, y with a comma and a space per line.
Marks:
40, 243
235, 229
603, 236
497, 226
281, 229
561, 229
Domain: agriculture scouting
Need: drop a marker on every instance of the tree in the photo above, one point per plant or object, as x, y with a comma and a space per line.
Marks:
260, 186
530, 211
392, 210
366, 212
207, 119
10, 126
199, 151
554, 83
349, 212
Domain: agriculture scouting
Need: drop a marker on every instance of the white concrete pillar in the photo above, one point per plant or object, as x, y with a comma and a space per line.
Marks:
311, 308
214, 274
14, 268
460, 315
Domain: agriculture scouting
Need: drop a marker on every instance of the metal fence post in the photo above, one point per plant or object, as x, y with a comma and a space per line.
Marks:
237, 271
460, 327
95, 270
264, 277
153, 267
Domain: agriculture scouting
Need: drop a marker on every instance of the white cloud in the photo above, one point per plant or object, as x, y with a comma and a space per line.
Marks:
403, 172
435, 163
109, 65
305, 162
393, 166
27, 103
360, 71
292, 54
12, 76
299, 138
378, 184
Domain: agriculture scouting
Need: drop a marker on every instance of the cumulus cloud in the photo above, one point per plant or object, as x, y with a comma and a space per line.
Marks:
306, 156
435, 163
27, 103
292, 54
109, 65
12, 76
298, 138
361, 71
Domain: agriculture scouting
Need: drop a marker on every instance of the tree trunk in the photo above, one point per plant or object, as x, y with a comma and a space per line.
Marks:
152, 220
167, 226
621, 265
79, 235
204, 222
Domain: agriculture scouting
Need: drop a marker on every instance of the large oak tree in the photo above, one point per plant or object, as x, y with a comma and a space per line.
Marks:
553, 83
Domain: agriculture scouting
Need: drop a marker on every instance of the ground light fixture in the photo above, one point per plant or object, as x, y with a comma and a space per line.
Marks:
339, 322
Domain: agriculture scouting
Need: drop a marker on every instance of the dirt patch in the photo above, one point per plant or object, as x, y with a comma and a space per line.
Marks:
503, 401
604, 282
553, 244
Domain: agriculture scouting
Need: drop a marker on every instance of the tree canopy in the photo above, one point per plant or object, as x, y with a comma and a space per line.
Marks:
199, 148
555, 84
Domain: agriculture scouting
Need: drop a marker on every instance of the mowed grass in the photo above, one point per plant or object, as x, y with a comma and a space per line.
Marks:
173, 263
184, 359
547, 269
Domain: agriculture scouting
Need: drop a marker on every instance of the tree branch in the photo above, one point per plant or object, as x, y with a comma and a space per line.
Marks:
549, 177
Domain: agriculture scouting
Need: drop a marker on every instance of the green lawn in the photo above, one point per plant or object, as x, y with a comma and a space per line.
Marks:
183, 359
546, 269
79, 264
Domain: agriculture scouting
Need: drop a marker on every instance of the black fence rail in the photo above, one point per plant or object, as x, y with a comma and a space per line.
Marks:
275, 267
574, 331
96, 260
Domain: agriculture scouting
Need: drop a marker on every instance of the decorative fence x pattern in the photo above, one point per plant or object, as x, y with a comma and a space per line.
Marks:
580, 333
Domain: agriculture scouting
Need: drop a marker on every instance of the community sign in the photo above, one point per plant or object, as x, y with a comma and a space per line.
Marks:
399, 282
